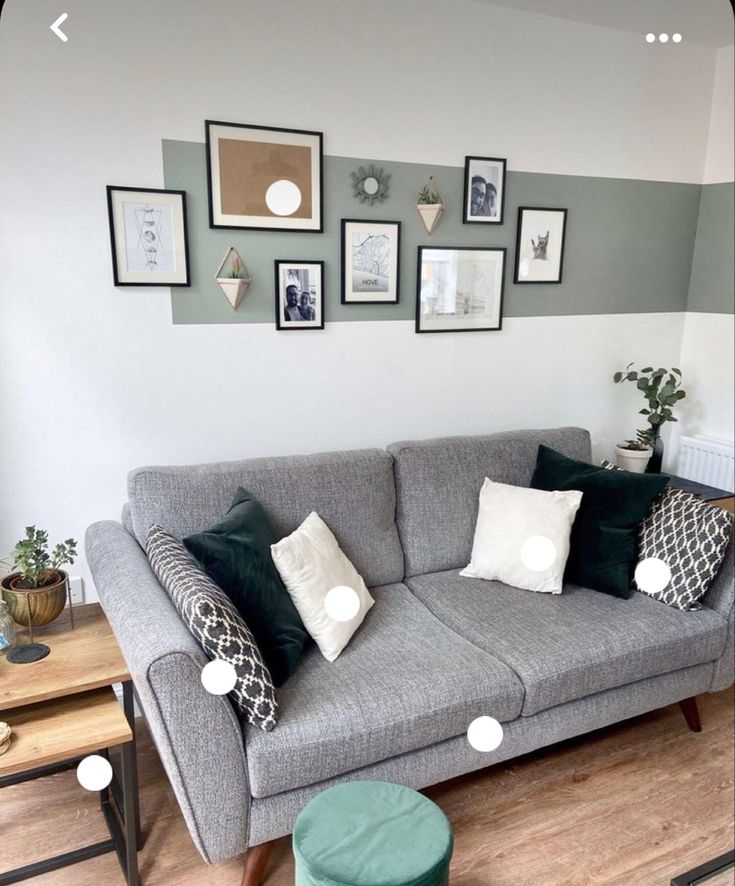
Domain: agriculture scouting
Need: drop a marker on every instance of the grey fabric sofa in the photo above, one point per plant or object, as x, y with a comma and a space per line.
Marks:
434, 652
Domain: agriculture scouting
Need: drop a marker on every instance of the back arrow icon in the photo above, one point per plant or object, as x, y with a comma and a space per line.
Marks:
57, 30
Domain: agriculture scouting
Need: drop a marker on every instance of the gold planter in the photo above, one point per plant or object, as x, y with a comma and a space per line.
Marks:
35, 607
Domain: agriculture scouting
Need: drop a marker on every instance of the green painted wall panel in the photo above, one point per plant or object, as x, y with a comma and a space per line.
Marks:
628, 247
712, 287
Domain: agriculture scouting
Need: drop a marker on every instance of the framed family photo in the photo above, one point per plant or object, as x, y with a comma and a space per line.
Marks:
370, 262
264, 178
299, 294
484, 190
540, 245
148, 236
459, 289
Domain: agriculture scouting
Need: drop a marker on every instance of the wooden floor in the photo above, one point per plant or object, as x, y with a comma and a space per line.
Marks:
633, 804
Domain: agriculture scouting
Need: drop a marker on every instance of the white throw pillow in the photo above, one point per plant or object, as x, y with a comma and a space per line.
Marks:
311, 563
522, 536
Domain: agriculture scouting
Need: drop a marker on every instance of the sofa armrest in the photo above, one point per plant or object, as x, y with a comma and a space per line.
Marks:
198, 735
721, 598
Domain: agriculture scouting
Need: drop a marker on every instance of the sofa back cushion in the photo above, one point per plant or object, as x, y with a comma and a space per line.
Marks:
353, 492
438, 485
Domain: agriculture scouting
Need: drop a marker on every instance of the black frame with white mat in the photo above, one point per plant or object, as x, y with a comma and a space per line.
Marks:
533, 254
315, 277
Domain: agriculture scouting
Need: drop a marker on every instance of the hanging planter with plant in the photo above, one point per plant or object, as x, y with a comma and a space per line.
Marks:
429, 205
233, 277
662, 390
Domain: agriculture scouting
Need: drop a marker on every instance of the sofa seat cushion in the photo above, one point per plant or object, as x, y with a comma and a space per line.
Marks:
571, 645
404, 682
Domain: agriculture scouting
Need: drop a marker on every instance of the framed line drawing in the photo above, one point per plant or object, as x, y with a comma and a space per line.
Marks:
459, 289
540, 245
370, 262
299, 294
484, 190
264, 178
148, 236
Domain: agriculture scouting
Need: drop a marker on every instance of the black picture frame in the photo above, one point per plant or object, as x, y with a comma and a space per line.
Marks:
281, 324
369, 222
469, 219
313, 134
706, 871
118, 275
517, 276
499, 249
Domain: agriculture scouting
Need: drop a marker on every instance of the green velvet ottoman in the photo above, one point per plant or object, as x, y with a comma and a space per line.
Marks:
371, 833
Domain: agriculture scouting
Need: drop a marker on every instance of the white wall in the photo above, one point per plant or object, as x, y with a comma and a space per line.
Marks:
96, 380
720, 157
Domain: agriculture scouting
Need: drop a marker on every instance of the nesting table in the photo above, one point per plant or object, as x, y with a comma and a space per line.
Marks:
63, 708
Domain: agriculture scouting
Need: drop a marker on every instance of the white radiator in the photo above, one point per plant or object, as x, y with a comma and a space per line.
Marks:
707, 460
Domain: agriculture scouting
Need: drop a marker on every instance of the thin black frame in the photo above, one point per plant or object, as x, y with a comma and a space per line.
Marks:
111, 219
207, 139
282, 327
497, 328
343, 267
482, 221
706, 871
521, 210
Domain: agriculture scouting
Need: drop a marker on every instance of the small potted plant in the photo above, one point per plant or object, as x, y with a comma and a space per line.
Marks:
233, 277
661, 389
36, 592
429, 205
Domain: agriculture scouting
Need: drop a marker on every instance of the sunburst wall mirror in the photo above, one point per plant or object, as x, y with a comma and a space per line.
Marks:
371, 184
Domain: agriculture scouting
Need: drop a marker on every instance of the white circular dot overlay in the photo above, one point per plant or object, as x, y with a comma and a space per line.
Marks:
485, 734
650, 38
663, 38
219, 677
94, 773
283, 197
342, 603
676, 38
652, 575
538, 553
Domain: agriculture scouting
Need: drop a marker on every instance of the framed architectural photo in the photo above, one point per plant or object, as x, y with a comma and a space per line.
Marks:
148, 236
370, 262
299, 294
540, 245
484, 190
459, 289
264, 178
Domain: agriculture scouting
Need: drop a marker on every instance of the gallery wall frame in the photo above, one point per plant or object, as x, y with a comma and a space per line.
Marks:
460, 288
370, 262
264, 178
484, 203
299, 287
540, 256
148, 236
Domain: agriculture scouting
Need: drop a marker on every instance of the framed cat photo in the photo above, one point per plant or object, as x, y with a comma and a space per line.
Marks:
540, 245
484, 190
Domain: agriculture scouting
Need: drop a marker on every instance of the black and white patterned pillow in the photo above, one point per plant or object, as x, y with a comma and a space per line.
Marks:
213, 620
690, 537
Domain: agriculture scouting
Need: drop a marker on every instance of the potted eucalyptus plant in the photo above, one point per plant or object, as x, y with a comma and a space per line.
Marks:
661, 389
36, 591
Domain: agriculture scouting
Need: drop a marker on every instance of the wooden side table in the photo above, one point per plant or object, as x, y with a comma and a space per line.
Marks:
63, 708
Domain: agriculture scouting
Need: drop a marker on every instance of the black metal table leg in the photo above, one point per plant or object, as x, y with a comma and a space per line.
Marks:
129, 710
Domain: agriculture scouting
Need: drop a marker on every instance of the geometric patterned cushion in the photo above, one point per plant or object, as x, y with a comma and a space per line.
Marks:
691, 537
215, 623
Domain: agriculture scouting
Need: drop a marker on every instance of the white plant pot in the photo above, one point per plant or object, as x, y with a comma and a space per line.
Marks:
234, 289
430, 214
635, 460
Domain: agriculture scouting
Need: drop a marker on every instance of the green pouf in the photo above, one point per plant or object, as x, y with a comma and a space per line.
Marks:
371, 833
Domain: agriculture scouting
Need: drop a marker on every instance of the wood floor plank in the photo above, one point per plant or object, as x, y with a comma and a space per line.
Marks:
630, 805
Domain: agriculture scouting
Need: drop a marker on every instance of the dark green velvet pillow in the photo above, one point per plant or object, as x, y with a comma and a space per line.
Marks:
236, 554
604, 543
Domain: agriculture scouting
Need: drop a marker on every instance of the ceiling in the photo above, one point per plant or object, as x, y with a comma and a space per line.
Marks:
703, 22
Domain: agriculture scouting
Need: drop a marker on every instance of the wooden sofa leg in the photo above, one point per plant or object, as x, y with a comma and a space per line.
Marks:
691, 713
256, 860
